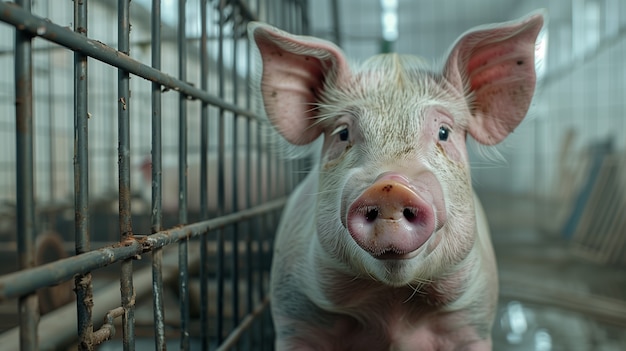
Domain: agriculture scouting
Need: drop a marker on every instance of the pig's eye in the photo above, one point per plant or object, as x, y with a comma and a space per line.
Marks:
342, 132
444, 133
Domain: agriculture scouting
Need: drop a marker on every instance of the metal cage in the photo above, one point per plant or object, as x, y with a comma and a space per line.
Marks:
199, 247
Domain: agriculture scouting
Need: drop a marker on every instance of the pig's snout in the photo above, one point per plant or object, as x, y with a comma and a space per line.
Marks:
394, 216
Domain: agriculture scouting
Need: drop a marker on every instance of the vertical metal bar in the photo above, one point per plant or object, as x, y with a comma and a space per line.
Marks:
249, 171
261, 171
235, 175
126, 232
82, 282
336, 21
157, 193
204, 145
220, 177
51, 131
182, 180
258, 223
28, 304
304, 17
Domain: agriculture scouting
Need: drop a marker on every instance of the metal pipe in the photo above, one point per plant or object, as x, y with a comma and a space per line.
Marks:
107, 330
336, 21
54, 335
220, 179
82, 282
183, 274
245, 324
204, 213
234, 185
251, 225
158, 303
37, 26
125, 225
51, 116
28, 310
26, 281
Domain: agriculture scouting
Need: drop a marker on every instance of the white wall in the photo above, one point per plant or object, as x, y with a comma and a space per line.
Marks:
584, 73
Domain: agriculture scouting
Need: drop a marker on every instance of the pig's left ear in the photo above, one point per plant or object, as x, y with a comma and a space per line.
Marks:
494, 67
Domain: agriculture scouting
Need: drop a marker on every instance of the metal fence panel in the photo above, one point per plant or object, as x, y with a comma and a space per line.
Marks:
176, 199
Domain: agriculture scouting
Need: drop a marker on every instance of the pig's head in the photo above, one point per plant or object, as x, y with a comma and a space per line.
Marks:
395, 200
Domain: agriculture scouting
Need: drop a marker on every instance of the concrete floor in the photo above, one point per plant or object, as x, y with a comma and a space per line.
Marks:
550, 299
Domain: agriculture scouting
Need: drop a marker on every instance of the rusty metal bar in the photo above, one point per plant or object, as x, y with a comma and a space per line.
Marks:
126, 229
204, 173
28, 303
26, 281
82, 282
158, 303
54, 336
107, 330
37, 26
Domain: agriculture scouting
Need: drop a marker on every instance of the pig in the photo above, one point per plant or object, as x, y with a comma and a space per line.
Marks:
384, 245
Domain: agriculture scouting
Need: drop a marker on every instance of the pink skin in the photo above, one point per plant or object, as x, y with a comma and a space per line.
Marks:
384, 246
395, 216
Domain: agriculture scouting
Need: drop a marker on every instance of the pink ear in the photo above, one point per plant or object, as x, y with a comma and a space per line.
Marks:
495, 68
296, 71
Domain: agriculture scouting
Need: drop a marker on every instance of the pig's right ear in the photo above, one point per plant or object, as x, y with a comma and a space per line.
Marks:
494, 67
295, 72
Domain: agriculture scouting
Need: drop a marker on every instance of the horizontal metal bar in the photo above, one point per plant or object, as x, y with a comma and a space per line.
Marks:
26, 281
41, 27
237, 333
167, 237
54, 335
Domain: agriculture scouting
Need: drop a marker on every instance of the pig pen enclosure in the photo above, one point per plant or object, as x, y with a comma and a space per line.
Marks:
100, 239
106, 104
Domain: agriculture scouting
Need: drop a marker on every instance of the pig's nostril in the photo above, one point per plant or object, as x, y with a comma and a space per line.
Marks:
371, 214
410, 214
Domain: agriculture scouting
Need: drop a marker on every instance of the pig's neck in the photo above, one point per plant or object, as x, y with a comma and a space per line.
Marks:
367, 299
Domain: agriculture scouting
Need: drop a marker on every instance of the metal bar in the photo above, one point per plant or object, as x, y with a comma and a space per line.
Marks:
251, 225
336, 21
126, 229
55, 336
51, 116
170, 236
107, 330
241, 328
82, 282
235, 172
260, 222
37, 26
220, 179
204, 213
28, 307
304, 17
158, 303
26, 281
183, 275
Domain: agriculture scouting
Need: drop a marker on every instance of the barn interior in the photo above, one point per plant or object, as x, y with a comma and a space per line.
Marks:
554, 191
